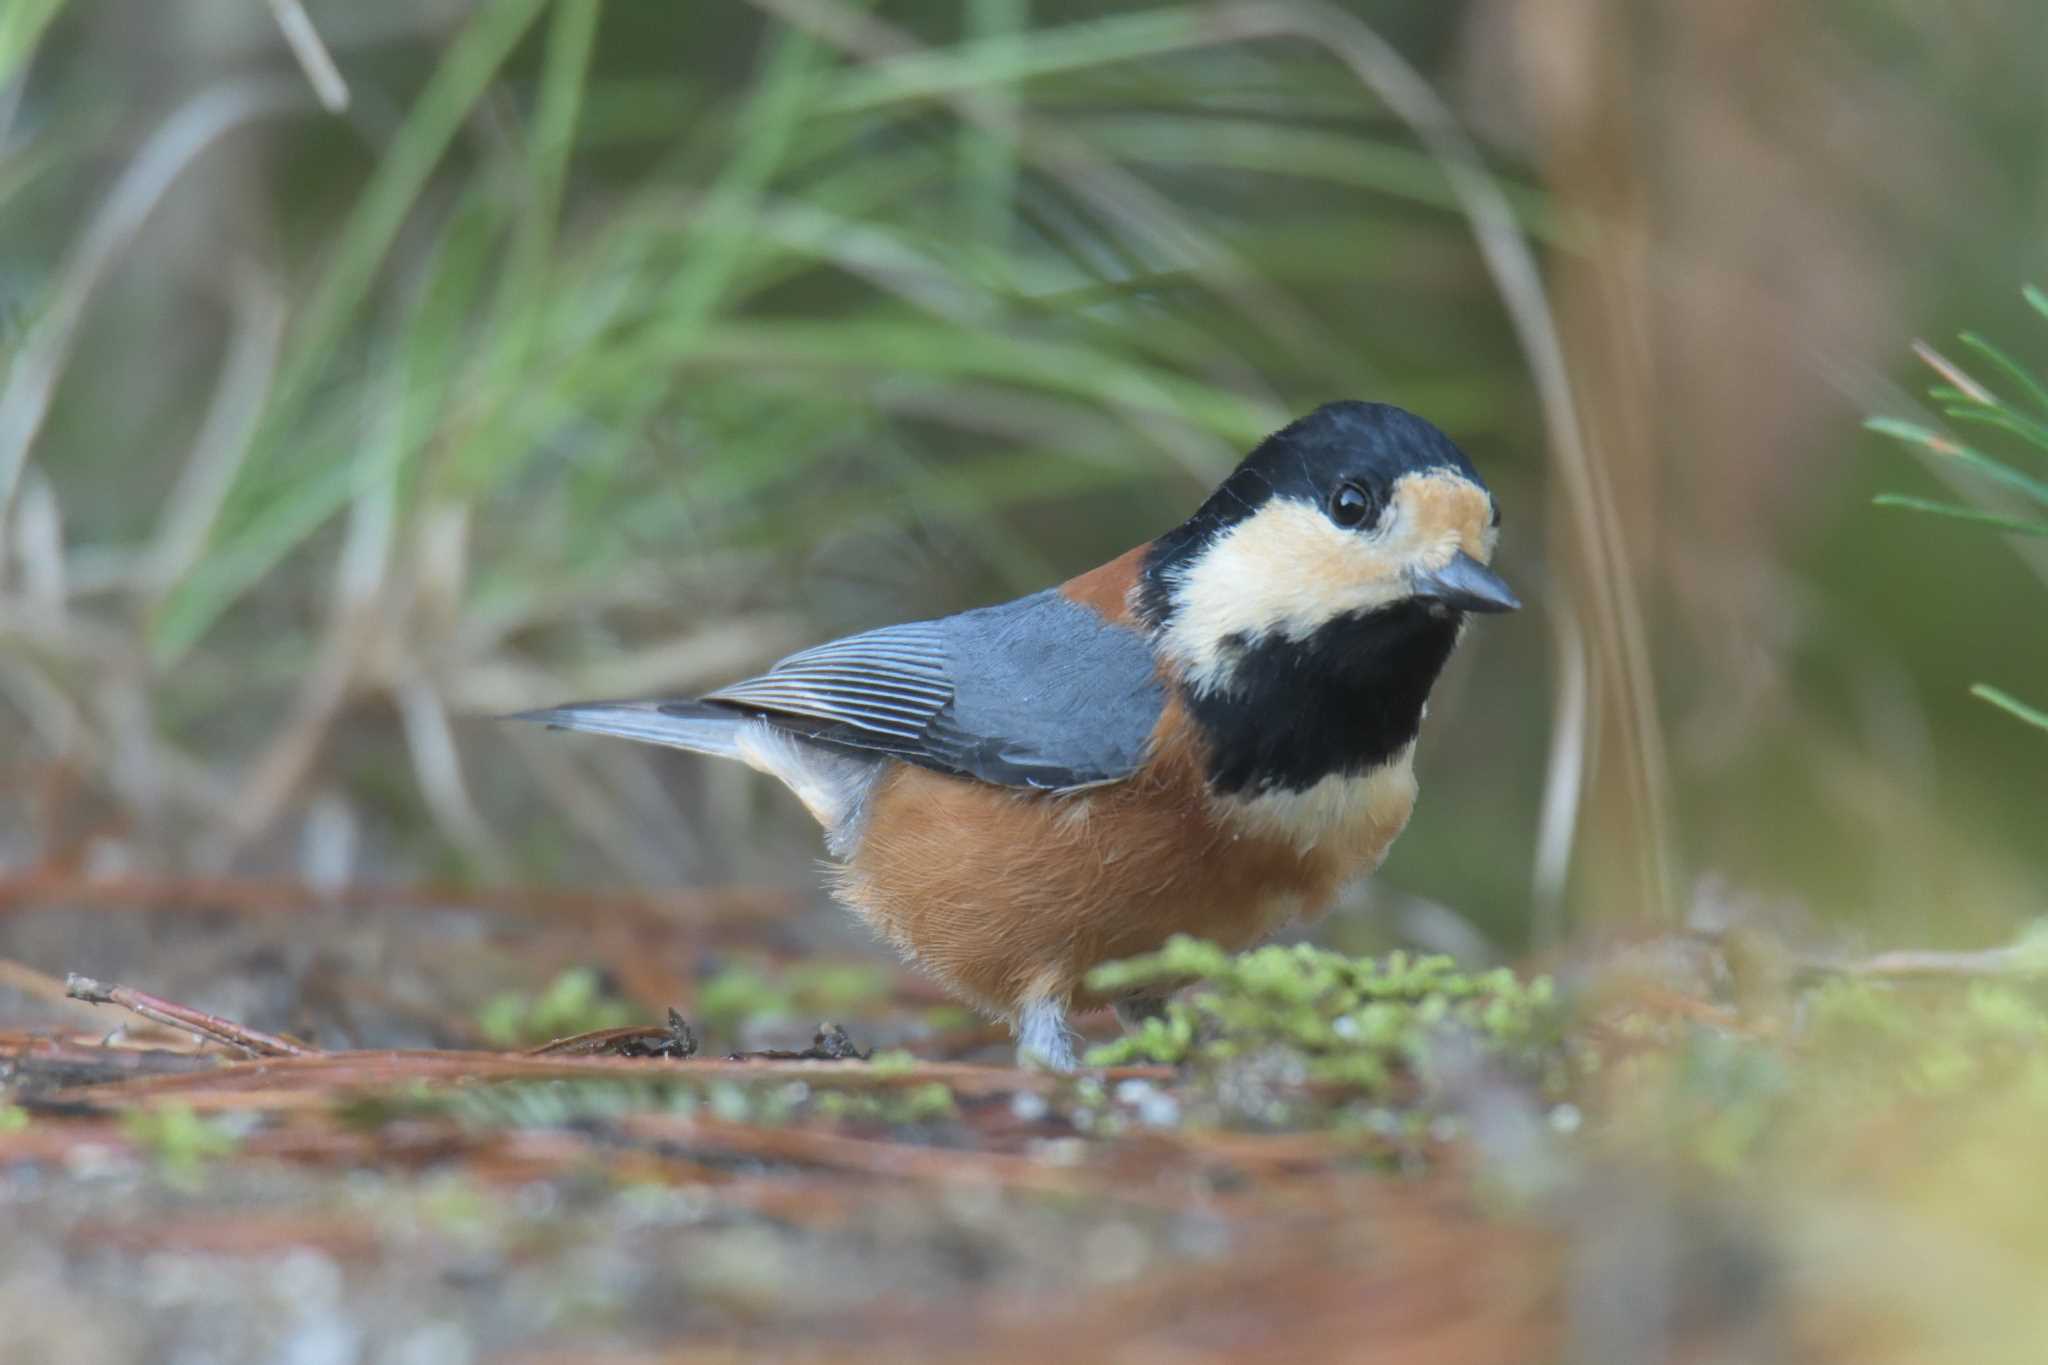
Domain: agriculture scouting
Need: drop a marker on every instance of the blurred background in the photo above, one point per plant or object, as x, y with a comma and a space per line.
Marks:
371, 369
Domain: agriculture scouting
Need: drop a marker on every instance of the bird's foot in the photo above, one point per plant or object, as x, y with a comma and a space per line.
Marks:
1042, 1037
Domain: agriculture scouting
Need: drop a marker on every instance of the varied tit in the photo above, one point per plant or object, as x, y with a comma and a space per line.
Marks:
1208, 735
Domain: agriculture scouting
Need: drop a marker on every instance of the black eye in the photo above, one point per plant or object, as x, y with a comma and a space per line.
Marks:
1353, 506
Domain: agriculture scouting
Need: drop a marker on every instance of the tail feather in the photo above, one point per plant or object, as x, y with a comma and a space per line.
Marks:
678, 725
833, 786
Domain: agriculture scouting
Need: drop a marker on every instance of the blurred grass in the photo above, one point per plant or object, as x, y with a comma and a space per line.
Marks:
615, 348
562, 358
21, 27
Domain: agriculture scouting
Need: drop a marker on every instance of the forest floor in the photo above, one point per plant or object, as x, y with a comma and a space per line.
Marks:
1688, 1148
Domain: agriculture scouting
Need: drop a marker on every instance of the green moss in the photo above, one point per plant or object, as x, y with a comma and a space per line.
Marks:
1922, 1053
932, 1100
572, 1003
948, 1018
831, 988
557, 1104
1931, 1038
1726, 1093
743, 993
13, 1118
735, 994
1301, 1015
926, 1103
180, 1141
892, 1062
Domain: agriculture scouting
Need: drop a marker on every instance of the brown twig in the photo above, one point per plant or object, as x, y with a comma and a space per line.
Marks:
82, 1015
250, 1042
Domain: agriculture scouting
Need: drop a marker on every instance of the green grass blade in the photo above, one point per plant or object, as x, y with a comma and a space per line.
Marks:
718, 245
471, 64
940, 350
571, 39
2005, 701
437, 331
241, 563
1305, 153
276, 510
937, 72
784, 93
1961, 513
988, 158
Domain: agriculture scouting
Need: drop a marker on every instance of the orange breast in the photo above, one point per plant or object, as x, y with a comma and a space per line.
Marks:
1011, 896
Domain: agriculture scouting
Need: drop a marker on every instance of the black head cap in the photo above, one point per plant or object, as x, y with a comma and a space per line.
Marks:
1371, 444
1367, 444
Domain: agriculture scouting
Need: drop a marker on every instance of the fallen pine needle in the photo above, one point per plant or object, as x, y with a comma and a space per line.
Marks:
250, 1042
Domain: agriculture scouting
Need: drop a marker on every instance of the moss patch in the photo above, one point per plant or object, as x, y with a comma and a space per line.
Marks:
574, 1002
743, 994
1334, 1029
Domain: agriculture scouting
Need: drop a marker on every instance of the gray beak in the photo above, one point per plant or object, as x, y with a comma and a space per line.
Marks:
1465, 585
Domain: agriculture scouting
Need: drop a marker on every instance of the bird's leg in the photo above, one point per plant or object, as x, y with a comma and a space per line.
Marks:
1133, 1010
1042, 1037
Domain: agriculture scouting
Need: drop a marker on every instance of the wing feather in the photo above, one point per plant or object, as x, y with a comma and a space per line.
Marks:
1039, 693
890, 683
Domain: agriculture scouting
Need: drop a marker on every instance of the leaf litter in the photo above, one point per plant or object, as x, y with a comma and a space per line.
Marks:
1305, 1155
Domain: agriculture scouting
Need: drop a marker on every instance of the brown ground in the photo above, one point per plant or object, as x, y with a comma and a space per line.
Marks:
436, 1200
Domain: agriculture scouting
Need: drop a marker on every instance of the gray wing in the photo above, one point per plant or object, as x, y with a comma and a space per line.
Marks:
891, 683
1037, 693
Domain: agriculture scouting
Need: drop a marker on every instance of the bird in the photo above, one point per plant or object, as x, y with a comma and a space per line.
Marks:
1210, 735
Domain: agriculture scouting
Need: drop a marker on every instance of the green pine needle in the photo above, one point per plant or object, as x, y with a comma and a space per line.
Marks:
1947, 446
2005, 419
2012, 369
2037, 299
1960, 513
